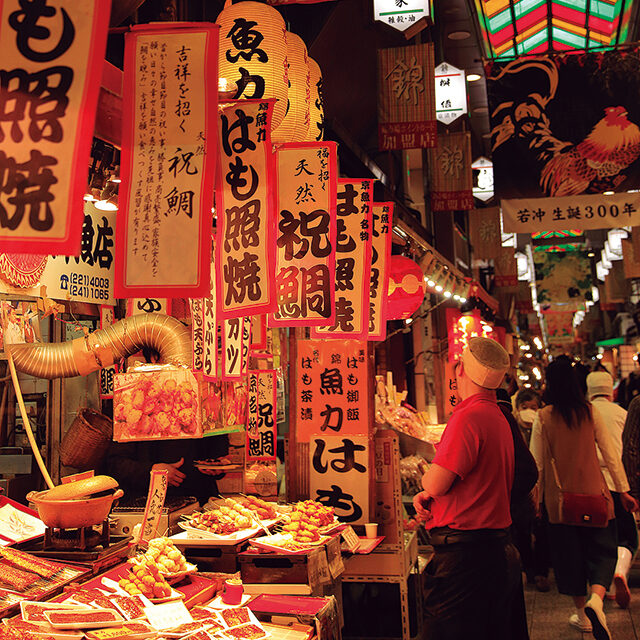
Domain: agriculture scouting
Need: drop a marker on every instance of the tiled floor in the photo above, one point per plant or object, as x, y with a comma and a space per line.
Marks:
548, 615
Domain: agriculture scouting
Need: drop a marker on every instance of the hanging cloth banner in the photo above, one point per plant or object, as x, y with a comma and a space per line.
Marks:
197, 332
406, 98
565, 130
258, 333
246, 250
210, 327
306, 237
107, 318
261, 425
50, 85
170, 111
562, 277
506, 270
232, 333
353, 261
484, 233
631, 255
381, 226
451, 175
559, 326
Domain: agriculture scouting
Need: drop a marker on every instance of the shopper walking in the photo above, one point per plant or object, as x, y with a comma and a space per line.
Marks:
563, 442
600, 392
474, 574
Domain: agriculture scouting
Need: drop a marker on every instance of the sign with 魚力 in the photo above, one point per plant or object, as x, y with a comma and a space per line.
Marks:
306, 234
450, 171
406, 98
245, 228
52, 58
170, 113
451, 93
401, 15
261, 417
381, 232
353, 261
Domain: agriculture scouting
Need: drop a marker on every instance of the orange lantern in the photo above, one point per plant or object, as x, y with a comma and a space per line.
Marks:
253, 53
295, 125
406, 288
316, 104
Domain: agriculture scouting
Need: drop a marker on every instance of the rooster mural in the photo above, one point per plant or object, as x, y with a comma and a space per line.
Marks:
594, 165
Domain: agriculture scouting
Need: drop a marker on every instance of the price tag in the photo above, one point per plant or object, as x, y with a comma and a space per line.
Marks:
351, 539
155, 501
334, 555
168, 615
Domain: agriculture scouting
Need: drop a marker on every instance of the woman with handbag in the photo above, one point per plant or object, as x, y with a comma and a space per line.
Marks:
582, 528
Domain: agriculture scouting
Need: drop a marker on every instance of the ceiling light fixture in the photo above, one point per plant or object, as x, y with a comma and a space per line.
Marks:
459, 35
473, 77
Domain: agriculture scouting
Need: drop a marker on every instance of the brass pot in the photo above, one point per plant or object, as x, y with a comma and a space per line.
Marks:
73, 514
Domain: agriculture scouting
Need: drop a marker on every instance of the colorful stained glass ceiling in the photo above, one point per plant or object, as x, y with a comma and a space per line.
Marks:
545, 235
519, 27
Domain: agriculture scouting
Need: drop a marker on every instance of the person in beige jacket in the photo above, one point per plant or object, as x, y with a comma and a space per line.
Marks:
568, 429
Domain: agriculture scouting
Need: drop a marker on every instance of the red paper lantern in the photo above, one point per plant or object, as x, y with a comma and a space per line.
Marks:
406, 288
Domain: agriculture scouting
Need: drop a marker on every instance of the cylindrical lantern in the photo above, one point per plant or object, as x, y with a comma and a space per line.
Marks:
253, 53
316, 104
295, 125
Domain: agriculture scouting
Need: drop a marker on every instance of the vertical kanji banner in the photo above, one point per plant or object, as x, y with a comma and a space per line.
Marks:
170, 104
406, 98
353, 261
450, 173
261, 425
506, 270
381, 232
306, 236
107, 318
246, 346
210, 327
232, 334
258, 333
50, 83
197, 332
246, 250
484, 233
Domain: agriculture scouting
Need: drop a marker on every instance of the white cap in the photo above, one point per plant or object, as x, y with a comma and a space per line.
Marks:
485, 362
599, 383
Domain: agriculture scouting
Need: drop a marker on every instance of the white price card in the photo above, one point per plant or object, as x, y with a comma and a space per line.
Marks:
168, 615
351, 539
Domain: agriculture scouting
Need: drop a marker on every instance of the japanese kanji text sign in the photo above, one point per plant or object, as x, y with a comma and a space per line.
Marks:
138, 306
451, 176
339, 475
484, 233
246, 251
261, 417
451, 93
381, 232
158, 485
197, 332
258, 333
406, 100
105, 390
52, 57
232, 348
594, 211
306, 234
88, 277
168, 159
401, 14
353, 261
331, 388
210, 328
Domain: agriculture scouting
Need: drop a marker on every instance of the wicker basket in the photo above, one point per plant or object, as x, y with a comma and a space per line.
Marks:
87, 440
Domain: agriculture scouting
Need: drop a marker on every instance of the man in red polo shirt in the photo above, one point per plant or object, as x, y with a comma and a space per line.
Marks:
474, 573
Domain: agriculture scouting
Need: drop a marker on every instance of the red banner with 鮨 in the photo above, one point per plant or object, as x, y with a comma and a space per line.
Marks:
246, 249
306, 235
52, 59
169, 144
353, 261
381, 232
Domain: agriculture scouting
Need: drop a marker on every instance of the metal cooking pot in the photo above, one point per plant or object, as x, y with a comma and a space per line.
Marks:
73, 514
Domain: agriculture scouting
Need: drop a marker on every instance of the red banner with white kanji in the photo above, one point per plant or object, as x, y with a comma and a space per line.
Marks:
306, 235
381, 232
169, 145
353, 261
52, 58
246, 250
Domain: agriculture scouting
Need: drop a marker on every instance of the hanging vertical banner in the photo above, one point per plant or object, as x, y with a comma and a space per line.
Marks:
246, 250
261, 426
381, 226
484, 233
406, 98
450, 171
170, 104
451, 93
246, 346
52, 58
197, 332
559, 326
353, 261
232, 332
631, 256
210, 328
258, 333
506, 270
306, 236
331, 388
107, 318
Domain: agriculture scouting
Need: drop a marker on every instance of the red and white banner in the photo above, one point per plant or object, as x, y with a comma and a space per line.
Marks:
246, 228
306, 236
197, 332
169, 149
381, 232
105, 391
52, 58
210, 327
353, 261
261, 419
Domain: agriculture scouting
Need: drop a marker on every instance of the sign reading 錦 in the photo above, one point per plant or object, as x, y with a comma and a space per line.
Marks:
261, 419
52, 58
450, 171
353, 261
406, 98
401, 15
169, 146
246, 247
381, 232
306, 234
451, 93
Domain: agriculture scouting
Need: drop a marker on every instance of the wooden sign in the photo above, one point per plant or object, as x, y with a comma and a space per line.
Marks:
382, 225
158, 485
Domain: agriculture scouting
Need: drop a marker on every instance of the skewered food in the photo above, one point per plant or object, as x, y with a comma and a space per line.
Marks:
26, 561
166, 556
264, 510
213, 522
145, 579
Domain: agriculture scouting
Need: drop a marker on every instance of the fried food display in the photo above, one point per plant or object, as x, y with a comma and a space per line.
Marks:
145, 579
